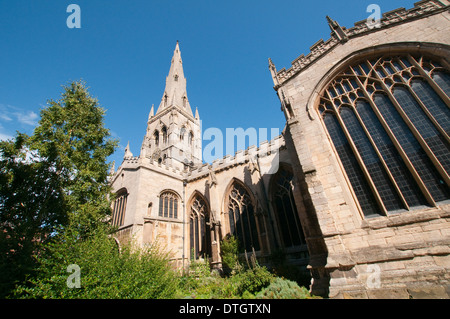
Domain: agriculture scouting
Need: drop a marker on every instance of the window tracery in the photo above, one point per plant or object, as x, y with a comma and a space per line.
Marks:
285, 209
168, 205
200, 230
119, 208
242, 219
389, 121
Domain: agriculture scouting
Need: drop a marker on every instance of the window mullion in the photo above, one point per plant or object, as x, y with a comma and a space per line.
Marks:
199, 235
429, 115
114, 213
383, 163
119, 212
414, 131
361, 163
430, 81
294, 211
287, 222
422, 105
397, 145
123, 209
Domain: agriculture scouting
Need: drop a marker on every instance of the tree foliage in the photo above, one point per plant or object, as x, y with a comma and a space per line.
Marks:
53, 179
72, 137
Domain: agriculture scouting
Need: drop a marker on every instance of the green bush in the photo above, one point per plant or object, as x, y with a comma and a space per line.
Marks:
281, 288
199, 282
105, 273
229, 249
252, 280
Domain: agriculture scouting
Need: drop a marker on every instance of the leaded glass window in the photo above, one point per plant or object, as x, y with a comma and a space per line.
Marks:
389, 121
168, 205
119, 208
200, 230
242, 219
286, 213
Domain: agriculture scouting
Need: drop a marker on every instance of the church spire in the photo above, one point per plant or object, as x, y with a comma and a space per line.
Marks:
175, 93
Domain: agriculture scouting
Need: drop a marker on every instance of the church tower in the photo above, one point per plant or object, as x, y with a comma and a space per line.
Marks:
173, 136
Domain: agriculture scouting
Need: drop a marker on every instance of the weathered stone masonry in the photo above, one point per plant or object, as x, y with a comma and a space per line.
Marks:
311, 207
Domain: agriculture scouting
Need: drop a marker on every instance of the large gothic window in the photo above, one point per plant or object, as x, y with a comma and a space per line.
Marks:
199, 229
168, 205
241, 214
119, 207
288, 221
389, 120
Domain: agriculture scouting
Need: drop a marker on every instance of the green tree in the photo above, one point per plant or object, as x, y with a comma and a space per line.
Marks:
52, 181
31, 208
71, 136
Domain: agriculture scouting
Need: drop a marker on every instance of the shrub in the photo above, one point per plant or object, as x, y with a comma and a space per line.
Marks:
229, 250
281, 288
252, 280
105, 272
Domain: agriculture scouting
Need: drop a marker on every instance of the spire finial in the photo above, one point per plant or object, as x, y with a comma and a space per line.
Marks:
337, 30
152, 112
196, 114
128, 153
273, 72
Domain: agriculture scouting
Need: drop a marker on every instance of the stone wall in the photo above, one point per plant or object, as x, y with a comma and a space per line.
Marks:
401, 255
145, 179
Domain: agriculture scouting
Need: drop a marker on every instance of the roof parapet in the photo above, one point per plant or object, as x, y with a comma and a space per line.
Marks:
341, 34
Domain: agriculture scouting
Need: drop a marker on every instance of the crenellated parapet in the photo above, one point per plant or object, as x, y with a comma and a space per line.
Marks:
341, 35
248, 156
241, 157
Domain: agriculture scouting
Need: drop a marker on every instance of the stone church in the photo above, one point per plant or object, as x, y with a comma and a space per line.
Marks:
360, 192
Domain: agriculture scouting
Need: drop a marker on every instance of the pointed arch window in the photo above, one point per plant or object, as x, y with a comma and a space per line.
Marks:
119, 207
290, 228
182, 133
199, 229
190, 138
389, 120
156, 137
242, 219
164, 134
168, 204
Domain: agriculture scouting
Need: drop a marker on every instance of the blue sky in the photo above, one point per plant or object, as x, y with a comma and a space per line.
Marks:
123, 51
